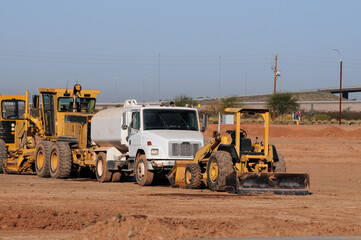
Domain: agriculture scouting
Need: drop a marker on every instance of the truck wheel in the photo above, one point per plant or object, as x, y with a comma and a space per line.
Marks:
42, 159
220, 165
116, 176
193, 176
101, 169
280, 166
143, 176
3, 153
60, 160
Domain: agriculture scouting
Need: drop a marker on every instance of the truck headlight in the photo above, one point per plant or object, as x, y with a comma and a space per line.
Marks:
154, 151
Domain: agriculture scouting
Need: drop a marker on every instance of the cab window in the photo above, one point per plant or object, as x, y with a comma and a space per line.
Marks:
13, 109
65, 104
135, 120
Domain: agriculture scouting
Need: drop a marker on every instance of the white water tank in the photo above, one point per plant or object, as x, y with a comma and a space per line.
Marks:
107, 126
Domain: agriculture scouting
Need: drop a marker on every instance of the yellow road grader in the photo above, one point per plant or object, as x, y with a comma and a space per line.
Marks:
51, 140
232, 163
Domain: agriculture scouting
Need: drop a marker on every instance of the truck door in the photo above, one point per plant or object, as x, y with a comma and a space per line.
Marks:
48, 113
134, 134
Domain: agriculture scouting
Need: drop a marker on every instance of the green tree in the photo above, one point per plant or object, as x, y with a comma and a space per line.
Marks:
183, 100
228, 102
283, 103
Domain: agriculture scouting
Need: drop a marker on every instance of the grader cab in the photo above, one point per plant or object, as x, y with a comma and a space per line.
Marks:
232, 163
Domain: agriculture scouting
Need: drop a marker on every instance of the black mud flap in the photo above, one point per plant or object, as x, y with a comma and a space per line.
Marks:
274, 183
171, 177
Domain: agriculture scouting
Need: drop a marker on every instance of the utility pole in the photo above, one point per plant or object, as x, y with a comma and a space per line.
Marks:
159, 77
219, 77
143, 80
275, 77
246, 83
340, 110
274, 88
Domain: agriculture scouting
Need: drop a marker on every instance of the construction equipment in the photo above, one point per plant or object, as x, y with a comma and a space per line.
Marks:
12, 113
54, 139
232, 163
18, 129
144, 141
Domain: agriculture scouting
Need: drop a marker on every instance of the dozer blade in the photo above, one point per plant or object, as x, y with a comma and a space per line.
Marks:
276, 183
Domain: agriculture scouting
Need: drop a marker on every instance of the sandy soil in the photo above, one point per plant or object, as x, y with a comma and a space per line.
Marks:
36, 208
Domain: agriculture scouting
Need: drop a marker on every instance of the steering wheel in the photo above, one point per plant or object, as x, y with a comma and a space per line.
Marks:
243, 133
233, 133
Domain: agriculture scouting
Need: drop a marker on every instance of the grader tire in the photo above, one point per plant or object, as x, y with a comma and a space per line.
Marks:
42, 159
220, 165
101, 171
142, 175
116, 176
60, 160
193, 176
280, 166
3, 153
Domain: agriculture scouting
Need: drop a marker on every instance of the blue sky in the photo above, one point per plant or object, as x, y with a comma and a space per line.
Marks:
114, 45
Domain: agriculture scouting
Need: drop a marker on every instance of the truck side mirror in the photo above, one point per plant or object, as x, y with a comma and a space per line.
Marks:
205, 122
36, 101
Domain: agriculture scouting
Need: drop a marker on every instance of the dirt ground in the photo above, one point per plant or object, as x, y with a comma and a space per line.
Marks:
36, 208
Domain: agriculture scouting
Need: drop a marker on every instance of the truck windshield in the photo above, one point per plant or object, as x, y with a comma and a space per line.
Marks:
12, 109
65, 104
170, 119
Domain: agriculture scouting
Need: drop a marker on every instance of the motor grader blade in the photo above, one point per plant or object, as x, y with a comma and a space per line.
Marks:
276, 183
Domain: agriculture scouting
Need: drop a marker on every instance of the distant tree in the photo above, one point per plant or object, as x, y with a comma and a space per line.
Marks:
283, 103
183, 100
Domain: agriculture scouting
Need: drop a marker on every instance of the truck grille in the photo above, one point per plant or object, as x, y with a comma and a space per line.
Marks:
184, 149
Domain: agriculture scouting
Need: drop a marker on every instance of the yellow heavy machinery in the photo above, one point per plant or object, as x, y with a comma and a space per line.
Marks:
13, 111
232, 163
56, 140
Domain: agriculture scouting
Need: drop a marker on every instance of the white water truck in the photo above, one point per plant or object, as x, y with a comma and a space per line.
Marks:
143, 141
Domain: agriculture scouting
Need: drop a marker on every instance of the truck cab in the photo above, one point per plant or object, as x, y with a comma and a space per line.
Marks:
164, 134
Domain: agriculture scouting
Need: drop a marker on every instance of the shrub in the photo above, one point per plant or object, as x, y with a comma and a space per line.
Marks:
321, 117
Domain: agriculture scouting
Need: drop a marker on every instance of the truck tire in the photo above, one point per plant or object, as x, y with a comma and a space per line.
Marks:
3, 154
220, 165
193, 176
101, 170
280, 165
42, 159
143, 176
60, 160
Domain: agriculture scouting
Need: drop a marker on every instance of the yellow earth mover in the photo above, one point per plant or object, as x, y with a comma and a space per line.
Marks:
56, 140
232, 163
13, 111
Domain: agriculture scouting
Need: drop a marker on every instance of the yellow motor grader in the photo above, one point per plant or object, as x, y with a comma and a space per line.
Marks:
232, 163
13, 109
54, 138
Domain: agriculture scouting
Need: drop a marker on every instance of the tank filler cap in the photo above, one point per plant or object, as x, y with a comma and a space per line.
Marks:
130, 103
